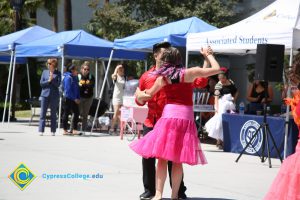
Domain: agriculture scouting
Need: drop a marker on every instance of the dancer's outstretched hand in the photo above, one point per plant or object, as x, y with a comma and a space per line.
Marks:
206, 51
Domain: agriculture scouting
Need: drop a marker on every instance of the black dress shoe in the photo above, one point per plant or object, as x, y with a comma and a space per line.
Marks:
182, 196
146, 195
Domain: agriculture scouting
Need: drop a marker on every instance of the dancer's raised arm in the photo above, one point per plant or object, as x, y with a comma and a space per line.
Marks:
192, 73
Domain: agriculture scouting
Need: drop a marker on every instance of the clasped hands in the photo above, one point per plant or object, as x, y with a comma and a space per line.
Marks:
206, 51
141, 96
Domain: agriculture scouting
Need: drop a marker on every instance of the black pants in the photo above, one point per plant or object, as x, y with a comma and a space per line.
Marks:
70, 106
149, 172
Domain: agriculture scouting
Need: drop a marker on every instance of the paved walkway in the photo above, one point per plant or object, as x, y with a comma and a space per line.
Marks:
108, 156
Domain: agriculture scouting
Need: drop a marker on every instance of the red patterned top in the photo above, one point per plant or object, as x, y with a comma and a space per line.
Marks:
158, 101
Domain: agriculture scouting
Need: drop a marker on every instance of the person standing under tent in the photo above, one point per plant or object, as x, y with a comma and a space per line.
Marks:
50, 82
72, 98
118, 93
174, 136
86, 86
214, 125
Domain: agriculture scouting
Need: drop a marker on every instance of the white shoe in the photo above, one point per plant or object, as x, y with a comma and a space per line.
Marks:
41, 133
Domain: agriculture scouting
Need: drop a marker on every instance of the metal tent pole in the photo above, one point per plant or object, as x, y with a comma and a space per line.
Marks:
61, 85
96, 76
287, 116
12, 54
12, 87
102, 89
186, 58
28, 79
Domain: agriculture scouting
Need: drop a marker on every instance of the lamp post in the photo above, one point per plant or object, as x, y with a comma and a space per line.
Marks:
16, 6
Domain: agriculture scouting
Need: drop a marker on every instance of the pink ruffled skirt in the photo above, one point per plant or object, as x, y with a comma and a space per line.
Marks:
286, 185
173, 138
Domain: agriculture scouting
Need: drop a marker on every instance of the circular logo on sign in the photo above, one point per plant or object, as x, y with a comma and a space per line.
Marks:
247, 133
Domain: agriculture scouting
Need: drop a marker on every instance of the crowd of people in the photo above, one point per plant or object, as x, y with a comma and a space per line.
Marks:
78, 92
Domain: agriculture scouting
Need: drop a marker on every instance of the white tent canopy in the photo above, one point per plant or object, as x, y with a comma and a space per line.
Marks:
276, 24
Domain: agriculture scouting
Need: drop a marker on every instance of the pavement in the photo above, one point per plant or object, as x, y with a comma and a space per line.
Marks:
118, 172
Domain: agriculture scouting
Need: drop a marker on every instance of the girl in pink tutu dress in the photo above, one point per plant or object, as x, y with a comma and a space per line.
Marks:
286, 185
174, 137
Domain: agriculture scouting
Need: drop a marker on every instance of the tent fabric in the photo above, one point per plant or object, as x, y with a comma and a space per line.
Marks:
8, 42
77, 43
6, 59
174, 32
278, 23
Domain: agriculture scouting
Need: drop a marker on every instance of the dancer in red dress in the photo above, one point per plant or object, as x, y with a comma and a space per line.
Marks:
286, 185
174, 137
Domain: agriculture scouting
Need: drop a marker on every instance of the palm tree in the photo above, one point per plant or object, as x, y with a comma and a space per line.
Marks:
6, 18
51, 7
68, 14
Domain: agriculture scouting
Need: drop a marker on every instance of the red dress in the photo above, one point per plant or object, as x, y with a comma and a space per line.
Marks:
174, 136
286, 185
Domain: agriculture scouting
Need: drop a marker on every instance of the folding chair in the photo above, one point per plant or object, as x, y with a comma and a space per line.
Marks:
200, 99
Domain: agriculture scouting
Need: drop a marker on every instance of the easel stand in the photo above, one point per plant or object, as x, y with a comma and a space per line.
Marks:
266, 135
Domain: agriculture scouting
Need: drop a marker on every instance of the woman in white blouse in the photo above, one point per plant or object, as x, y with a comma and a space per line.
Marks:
117, 99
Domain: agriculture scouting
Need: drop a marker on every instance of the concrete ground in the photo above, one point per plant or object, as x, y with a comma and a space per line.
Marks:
108, 156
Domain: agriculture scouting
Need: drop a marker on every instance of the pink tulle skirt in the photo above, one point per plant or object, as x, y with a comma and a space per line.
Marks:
173, 138
286, 185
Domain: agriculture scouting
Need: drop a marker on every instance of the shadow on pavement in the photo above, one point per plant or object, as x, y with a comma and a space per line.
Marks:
11, 132
202, 198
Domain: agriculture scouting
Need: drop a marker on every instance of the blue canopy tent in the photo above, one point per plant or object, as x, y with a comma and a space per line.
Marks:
174, 32
8, 44
75, 44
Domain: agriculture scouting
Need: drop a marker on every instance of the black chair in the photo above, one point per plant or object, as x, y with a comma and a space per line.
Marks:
35, 106
103, 107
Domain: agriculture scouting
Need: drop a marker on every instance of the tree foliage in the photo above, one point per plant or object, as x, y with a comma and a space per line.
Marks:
126, 17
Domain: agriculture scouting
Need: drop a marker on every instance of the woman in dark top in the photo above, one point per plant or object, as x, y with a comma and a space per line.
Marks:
224, 86
257, 96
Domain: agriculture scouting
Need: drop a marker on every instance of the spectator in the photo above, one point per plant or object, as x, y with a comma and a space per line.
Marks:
72, 98
212, 81
257, 96
86, 85
224, 86
117, 99
50, 82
